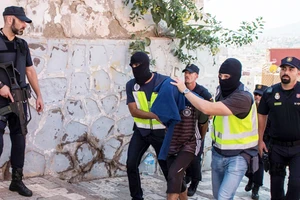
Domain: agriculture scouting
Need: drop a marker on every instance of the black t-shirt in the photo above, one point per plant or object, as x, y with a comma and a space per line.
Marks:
203, 92
283, 110
8, 53
239, 103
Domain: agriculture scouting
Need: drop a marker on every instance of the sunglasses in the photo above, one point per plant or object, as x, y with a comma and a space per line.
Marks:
256, 94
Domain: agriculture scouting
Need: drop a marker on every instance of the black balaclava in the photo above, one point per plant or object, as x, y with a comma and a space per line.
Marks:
233, 67
142, 72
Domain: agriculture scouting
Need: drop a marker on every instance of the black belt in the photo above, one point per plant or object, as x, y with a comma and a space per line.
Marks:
285, 144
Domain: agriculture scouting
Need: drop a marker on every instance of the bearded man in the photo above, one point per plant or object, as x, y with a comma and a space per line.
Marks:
14, 53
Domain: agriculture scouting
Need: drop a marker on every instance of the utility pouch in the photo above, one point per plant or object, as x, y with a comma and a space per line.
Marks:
27, 91
266, 161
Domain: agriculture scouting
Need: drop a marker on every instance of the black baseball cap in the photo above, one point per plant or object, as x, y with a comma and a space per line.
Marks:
191, 68
17, 12
290, 61
259, 89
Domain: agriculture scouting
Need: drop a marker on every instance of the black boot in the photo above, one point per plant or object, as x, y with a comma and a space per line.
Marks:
249, 186
193, 188
255, 194
17, 184
187, 179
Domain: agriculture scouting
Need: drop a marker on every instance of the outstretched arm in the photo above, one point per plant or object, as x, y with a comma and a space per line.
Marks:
207, 107
32, 78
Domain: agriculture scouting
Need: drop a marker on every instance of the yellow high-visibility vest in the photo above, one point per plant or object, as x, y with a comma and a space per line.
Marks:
143, 104
231, 132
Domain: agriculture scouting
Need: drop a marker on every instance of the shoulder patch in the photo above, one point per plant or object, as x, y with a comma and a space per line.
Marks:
269, 90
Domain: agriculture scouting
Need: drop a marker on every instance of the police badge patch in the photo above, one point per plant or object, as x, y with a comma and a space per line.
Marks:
187, 112
277, 96
289, 59
136, 87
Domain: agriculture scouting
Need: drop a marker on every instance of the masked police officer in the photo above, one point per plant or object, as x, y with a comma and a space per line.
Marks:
148, 130
281, 104
15, 50
234, 133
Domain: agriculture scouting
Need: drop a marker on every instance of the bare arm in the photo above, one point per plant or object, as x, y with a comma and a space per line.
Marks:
207, 107
32, 78
262, 119
135, 112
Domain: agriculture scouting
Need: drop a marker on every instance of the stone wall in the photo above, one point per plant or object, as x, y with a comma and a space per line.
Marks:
87, 19
80, 52
86, 126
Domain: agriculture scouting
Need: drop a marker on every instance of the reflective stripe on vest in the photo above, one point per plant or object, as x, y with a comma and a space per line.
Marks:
143, 104
231, 132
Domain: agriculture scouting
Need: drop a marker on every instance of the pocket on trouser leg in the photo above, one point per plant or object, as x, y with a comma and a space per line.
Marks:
2, 128
2, 125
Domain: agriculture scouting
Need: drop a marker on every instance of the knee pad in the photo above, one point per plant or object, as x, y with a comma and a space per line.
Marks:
277, 169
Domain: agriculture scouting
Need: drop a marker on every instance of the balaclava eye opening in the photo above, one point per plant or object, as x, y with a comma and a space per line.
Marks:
233, 67
141, 73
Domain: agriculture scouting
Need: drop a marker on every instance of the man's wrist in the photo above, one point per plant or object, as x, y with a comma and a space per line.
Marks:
1, 85
185, 91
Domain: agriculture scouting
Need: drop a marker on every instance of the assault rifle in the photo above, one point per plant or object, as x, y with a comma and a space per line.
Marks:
20, 106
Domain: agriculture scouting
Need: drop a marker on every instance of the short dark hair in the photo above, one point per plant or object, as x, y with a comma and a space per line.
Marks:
18, 12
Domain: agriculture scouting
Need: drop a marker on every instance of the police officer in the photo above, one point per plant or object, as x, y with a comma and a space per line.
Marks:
256, 179
281, 104
234, 132
148, 130
15, 50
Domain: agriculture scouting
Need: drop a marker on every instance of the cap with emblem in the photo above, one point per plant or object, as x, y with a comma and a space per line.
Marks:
259, 89
17, 12
290, 61
191, 68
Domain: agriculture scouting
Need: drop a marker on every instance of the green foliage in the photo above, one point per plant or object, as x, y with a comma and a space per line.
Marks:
140, 44
205, 31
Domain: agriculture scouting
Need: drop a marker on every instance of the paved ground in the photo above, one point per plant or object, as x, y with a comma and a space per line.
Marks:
50, 188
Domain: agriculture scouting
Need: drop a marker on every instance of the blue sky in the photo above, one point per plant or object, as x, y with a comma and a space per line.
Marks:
276, 13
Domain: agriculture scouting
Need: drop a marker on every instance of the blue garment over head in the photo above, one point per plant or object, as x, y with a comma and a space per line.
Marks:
167, 107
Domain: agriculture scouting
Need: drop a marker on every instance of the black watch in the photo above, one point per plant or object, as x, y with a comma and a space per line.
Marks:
1, 84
